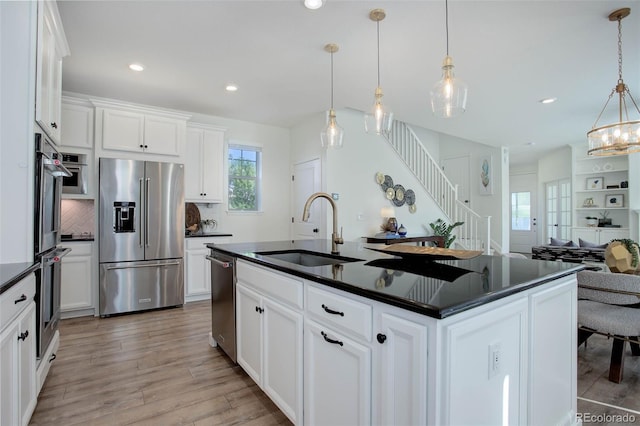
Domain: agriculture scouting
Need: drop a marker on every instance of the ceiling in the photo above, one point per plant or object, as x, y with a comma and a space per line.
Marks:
511, 53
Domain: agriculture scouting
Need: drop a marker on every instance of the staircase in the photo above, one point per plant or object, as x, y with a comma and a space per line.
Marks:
475, 233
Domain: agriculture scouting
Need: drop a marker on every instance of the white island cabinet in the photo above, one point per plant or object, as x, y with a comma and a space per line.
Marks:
509, 360
18, 387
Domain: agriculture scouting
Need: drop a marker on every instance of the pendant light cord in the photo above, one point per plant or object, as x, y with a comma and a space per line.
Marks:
446, 19
619, 50
378, 32
331, 80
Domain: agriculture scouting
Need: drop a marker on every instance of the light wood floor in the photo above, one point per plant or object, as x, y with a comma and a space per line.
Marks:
154, 368
157, 368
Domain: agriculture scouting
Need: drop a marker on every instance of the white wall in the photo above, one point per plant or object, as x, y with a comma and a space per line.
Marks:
273, 222
350, 171
484, 205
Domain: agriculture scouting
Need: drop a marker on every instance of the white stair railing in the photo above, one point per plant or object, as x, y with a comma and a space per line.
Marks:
474, 234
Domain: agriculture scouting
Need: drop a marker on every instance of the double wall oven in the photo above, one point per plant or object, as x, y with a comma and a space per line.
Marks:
49, 174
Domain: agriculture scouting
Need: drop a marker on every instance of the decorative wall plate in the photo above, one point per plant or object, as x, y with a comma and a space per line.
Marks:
410, 197
387, 183
380, 178
390, 193
398, 199
412, 208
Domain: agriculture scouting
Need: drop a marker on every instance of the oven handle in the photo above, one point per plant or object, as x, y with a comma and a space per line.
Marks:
55, 256
155, 265
55, 167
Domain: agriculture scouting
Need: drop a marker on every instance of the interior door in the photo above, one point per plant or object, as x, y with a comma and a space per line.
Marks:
523, 227
558, 210
457, 171
306, 181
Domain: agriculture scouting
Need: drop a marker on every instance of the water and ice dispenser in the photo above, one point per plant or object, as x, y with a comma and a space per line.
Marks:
124, 213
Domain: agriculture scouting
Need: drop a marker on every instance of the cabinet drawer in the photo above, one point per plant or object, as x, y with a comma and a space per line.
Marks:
277, 286
193, 243
9, 308
78, 249
345, 314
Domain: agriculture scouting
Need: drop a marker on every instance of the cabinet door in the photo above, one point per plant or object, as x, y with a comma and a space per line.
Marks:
587, 234
77, 131
249, 332
212, 166
402, 371
337, 378
163, 135
193, 166
122, 130
282, 353
198, 272
27, 363
9, 375
76, 282
606, 235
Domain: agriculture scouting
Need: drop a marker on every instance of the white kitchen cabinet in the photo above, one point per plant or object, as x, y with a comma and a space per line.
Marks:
76, 293
270, 335
599, 235
337, 378
18, 354
138, 129
400, 373
204, 164
198, 268
77, 131
51, 48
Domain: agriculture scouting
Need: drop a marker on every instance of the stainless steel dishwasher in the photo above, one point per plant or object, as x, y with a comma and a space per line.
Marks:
223, 306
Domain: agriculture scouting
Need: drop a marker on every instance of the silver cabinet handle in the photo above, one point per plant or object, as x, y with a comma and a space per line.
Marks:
155, 265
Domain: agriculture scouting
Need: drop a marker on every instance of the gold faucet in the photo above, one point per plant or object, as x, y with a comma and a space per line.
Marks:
335, 237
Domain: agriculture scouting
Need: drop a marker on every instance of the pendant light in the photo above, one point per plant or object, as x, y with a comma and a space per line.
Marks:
331, 135
380, 119
623, 137
449, 95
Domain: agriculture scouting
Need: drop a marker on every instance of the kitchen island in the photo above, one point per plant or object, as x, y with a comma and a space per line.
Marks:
381, 340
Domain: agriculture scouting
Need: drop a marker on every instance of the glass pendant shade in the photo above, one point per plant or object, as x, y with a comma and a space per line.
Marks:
623, 137
331, 136
449, 95
380, 119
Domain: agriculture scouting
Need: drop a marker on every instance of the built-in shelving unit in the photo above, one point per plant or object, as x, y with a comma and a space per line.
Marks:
600, 190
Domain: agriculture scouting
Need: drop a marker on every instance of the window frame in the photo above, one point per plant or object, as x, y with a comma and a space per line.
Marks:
244, 146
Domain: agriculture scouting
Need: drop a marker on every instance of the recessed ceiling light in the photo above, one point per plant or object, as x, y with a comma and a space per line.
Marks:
136, 67
313, 4
530, 143
548, 100
231, 87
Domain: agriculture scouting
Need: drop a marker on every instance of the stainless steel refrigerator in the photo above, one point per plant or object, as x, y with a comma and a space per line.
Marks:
141, 228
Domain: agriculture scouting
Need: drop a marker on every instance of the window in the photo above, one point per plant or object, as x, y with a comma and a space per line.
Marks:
245, 174
521, 211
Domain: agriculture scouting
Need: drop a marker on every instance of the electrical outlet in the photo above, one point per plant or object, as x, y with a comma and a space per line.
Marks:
495, 359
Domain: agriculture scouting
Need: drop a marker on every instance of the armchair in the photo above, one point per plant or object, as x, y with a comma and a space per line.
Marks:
609, 304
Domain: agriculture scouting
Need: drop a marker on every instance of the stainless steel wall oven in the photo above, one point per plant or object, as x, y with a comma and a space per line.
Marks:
77, 166
49, 173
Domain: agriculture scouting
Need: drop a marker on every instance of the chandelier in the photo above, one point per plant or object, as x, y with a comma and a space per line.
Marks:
623, 137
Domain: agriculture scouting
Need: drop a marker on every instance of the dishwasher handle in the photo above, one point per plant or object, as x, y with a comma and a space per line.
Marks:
220, 262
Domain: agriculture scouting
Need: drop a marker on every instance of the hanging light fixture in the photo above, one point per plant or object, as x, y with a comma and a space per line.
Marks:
623, 137
381, 118
331, 135
449, 95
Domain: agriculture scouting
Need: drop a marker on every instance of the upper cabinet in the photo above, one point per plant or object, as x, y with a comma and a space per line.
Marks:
204, 164
138, 129
52, 47
77, 117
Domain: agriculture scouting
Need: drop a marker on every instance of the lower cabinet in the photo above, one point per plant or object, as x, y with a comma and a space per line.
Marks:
599, 235
76, 293
337, 378
18, 355
197, 268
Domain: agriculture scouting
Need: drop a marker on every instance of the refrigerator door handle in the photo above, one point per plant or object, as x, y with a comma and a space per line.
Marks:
140, 227
155, 265
146, 212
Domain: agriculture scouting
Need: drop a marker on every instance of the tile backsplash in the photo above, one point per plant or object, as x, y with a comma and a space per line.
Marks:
78, 216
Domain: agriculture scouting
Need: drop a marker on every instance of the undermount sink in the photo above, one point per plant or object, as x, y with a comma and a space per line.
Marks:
307, 258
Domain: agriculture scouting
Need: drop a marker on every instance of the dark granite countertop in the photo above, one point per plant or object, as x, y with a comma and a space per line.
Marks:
12, 273
437, 289
201, 234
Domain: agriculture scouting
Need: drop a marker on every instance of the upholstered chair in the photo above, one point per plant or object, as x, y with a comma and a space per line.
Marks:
609, 304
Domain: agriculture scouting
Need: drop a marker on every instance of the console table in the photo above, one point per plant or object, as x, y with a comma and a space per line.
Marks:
420, 239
